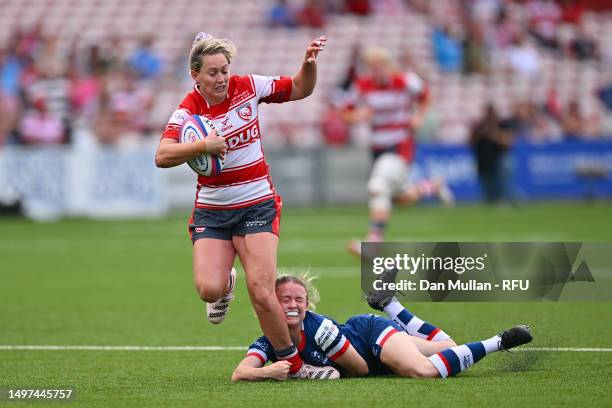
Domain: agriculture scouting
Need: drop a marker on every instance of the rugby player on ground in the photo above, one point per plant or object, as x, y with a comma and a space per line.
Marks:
367, 344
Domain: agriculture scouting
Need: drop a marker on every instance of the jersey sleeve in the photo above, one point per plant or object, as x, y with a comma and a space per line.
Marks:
272, 89
175, 122
329, 337
262, 349
416, 86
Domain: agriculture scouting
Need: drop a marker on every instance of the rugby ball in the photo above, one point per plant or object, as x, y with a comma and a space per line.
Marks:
196, 128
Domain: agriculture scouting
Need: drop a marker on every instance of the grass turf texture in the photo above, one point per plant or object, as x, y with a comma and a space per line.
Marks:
128, 282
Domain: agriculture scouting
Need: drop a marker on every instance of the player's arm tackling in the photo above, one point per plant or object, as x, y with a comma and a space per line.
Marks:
252, 369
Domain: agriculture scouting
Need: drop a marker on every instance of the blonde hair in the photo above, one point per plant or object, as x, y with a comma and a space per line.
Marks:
303, 279
208, 45
376, 54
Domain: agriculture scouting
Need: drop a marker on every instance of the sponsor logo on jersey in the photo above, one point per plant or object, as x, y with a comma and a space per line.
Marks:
326, 334
241, 97
244, 111
261, 345
243, 138
224, 126
200, 229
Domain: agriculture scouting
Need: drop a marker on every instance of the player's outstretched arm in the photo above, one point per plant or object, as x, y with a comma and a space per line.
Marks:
251, 369
352, 364
305, 80
171, 153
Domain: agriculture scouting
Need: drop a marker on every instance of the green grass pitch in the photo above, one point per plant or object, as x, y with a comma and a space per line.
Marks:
128, 282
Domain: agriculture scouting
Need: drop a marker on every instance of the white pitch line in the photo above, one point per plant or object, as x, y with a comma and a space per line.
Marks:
232, 348
122, 348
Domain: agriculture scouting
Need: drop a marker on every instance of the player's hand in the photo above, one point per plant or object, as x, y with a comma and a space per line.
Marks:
364, 114
279, 370
215, 144
417, 121
314, 48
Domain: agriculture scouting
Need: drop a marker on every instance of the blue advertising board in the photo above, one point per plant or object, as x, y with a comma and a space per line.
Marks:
568, 169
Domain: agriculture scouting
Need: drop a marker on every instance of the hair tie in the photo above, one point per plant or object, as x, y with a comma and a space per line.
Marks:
201, 36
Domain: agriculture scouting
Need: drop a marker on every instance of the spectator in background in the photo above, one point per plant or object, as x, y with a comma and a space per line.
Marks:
281, 15
523, 58
351, 72
485, 10
145, 61
107, 130
312, 14
447, 50
50, 59
503, 30
475, 50
489, 143
358, 7
544, 17
10, 73
51, 90
583, 47
572, 121
41, 127
605, 96
571, 11
11, 68
545, 128
130, 104
5, 121
520, 121
84, 92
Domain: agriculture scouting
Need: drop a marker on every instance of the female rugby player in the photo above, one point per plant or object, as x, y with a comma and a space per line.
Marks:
364, 345
238, 211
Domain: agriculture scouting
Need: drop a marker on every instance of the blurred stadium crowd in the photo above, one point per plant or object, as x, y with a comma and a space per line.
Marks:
109, 72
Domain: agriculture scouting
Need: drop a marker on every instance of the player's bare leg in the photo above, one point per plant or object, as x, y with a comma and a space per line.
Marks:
401, 354
257, 254
387, 177
378, 220
428, 348
425, 189
214, 277
403, 357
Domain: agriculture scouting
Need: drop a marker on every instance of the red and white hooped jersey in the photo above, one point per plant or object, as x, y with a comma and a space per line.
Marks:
392, 106
245, 179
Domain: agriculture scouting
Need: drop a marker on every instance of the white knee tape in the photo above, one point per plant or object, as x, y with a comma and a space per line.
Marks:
380, 202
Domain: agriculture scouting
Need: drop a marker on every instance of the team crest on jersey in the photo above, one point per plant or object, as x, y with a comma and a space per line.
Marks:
244, 111
317, 356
